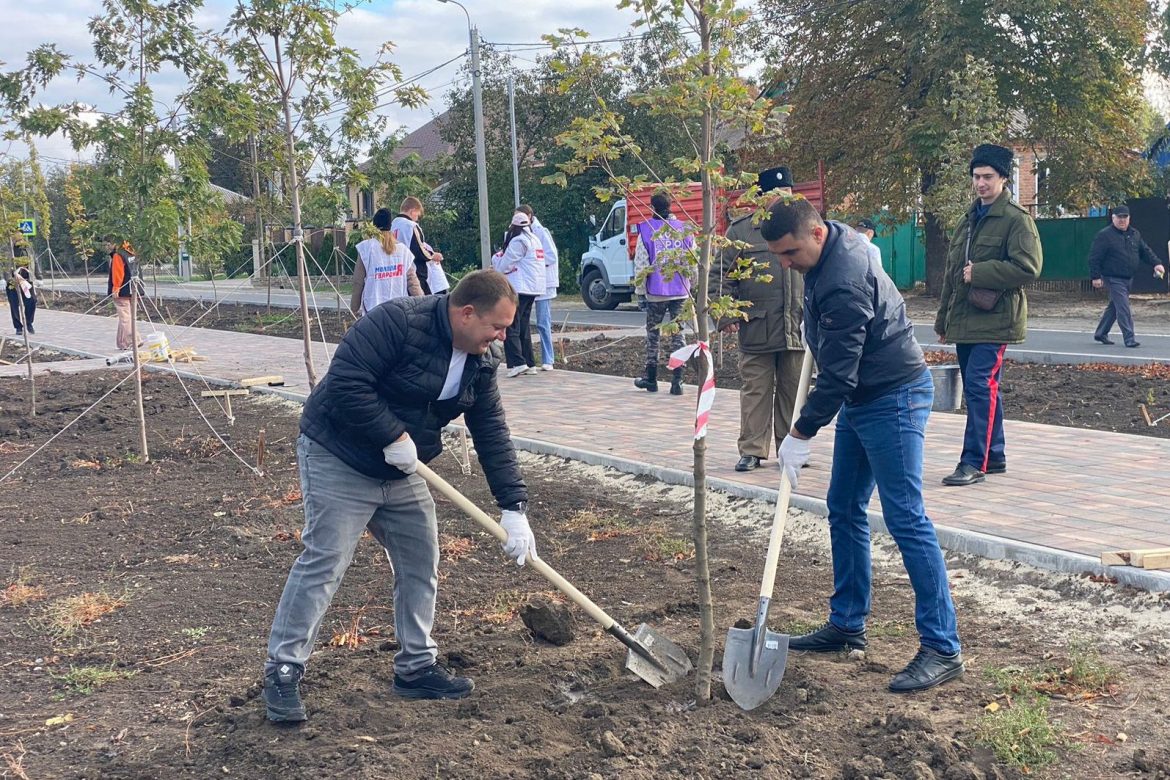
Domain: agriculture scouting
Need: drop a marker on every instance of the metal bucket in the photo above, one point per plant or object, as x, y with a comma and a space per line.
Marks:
948, 387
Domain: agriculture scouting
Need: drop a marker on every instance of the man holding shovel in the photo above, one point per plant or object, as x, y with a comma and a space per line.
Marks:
873, 378
399, 375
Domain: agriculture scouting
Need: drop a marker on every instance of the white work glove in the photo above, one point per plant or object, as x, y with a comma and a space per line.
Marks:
521, 544
793, 454
402, 454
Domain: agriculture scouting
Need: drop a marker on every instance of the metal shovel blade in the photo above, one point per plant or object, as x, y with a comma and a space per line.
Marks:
751, 684
666, 663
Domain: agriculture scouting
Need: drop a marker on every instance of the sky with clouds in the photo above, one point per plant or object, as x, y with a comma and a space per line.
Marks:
426, 33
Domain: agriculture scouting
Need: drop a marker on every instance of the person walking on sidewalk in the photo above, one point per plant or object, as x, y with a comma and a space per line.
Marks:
661, 244
770, 347
522, 262
119, 285
22, 294
1115, 256
384, 271
872, 376
995, 250
428, 264
552, 280
399, 375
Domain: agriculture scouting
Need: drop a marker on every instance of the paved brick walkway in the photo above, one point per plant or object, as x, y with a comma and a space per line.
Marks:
1067, 489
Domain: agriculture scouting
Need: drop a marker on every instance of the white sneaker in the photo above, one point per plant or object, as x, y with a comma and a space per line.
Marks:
547, 367
517, 371
531, 370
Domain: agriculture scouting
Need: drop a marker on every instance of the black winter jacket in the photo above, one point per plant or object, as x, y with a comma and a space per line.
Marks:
385, 378
1118, 254
855, 323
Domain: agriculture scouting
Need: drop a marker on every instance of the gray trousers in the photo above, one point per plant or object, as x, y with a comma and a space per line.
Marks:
766, 398
656, 313
340, 504
1118, 309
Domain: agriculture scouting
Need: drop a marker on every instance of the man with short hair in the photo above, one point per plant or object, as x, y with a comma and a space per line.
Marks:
1115, 256
873, 378
867, 230
994, 251
401, 373
428, 264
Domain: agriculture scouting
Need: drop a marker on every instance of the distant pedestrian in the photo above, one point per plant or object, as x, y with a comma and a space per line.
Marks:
661, 243
995, 250
384, 271
867, 229
522, 262
22, 294
428, 264
1115, 256
119, 285
552, 280
770, 347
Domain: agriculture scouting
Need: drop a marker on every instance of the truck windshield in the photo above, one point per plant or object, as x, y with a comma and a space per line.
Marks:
615, 225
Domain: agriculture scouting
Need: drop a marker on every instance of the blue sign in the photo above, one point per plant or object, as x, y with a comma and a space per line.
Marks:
28, 227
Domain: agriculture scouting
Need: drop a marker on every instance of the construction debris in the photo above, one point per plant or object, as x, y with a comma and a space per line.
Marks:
272, 381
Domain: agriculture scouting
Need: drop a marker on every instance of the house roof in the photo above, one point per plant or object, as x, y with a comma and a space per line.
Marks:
426, 142
229, 196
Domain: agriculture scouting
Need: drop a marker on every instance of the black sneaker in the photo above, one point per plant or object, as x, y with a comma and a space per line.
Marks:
748, 463
434, 682
31, 331
282, 694
1104, 340
19, 331
1134, 344
928, 669
828, 639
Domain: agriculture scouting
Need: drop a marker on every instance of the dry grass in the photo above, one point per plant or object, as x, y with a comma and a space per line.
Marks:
68, 615
599, 527
14, 761
454, 548
22, 591
503, 609
351, 636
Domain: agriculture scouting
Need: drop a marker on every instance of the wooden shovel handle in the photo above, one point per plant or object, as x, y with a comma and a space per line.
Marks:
492, 527
777, 538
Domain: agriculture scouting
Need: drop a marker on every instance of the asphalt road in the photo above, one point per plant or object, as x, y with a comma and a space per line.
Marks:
1041, 346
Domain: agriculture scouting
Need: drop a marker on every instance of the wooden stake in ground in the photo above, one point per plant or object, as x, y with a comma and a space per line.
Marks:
137, 370
260, 452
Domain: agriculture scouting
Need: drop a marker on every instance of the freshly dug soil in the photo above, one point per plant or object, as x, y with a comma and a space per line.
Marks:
137, 598
1099, 396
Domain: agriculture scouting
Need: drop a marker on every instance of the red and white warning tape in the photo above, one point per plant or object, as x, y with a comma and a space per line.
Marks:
678, 359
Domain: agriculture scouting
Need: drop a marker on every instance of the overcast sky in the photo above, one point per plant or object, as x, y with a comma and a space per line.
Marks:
425, 32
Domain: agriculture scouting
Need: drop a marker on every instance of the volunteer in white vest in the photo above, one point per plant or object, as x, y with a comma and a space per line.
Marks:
428, 264
552, 280
522, 261
384, 271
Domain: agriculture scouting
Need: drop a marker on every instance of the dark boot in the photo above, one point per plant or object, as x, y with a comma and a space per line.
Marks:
649, 383
675, 381
282, 694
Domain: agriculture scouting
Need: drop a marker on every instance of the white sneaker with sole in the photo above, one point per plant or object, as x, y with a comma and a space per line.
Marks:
517, 371
531, 370
547, 367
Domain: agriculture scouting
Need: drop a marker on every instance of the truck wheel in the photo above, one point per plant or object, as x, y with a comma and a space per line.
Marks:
595, 293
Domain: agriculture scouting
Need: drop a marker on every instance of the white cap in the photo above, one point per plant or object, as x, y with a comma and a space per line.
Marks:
520, 219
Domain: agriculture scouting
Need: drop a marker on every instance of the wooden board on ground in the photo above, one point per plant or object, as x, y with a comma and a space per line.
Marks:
1157, 558
222, 393
271, 381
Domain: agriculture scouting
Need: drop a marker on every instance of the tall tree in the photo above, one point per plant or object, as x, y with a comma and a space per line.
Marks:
869, 85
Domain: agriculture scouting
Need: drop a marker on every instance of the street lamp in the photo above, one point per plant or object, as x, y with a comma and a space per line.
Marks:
485, 249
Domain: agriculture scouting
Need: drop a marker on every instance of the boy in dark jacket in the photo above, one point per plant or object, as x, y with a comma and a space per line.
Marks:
872, 376
1117, 253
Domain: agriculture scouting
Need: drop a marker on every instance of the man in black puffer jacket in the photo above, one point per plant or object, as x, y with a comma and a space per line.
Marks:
1117, 253
400, 374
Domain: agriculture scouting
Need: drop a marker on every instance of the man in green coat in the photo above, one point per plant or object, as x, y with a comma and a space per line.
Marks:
994, 252
770, 348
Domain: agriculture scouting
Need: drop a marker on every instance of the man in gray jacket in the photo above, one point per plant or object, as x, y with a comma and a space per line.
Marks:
873, 378
770, 348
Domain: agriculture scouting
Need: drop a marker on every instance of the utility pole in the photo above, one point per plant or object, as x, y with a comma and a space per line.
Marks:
260, 268
485, 245
515, 153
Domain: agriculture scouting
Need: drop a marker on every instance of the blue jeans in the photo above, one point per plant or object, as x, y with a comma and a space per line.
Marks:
881, 443
340, 504
544, 327
982, 368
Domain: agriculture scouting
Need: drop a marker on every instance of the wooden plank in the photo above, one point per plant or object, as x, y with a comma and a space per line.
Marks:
1158, 558
1115, 558
222, 393
275, 379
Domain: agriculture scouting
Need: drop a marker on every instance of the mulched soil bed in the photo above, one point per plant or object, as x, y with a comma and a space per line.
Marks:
137, 597
1099, 396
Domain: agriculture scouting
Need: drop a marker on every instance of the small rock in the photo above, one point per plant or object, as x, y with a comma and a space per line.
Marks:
864, 768
920, 771
802, 695
612, 746
856, 655
548, 620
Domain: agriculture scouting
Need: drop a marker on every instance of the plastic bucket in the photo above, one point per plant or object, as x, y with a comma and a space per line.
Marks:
157, 346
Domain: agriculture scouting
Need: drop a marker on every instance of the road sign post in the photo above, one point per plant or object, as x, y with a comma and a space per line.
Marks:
28, 227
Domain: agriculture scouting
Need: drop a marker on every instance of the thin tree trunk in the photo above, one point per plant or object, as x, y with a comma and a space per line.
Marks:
298, 232
937, 243
702, 564
137, 371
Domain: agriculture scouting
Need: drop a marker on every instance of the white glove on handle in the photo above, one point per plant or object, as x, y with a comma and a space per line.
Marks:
521, 544
402, 455
793, 454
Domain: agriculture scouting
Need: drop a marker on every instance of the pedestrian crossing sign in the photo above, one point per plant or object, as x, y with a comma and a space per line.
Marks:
28, 227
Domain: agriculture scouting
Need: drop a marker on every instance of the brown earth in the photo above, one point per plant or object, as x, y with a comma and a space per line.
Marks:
186, 556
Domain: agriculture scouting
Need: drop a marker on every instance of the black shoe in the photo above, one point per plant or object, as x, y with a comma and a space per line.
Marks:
20, 331
31, 331
649, 383
828, 639
434, 682
748, 463
282, 694
996, 468
928, 669
676, 382
1131, 345
1104, 340
964, 474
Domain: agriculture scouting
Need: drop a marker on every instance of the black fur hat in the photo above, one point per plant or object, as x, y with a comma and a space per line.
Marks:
998, 157
774, 178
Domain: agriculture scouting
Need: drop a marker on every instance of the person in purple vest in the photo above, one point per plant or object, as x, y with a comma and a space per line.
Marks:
661, 246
